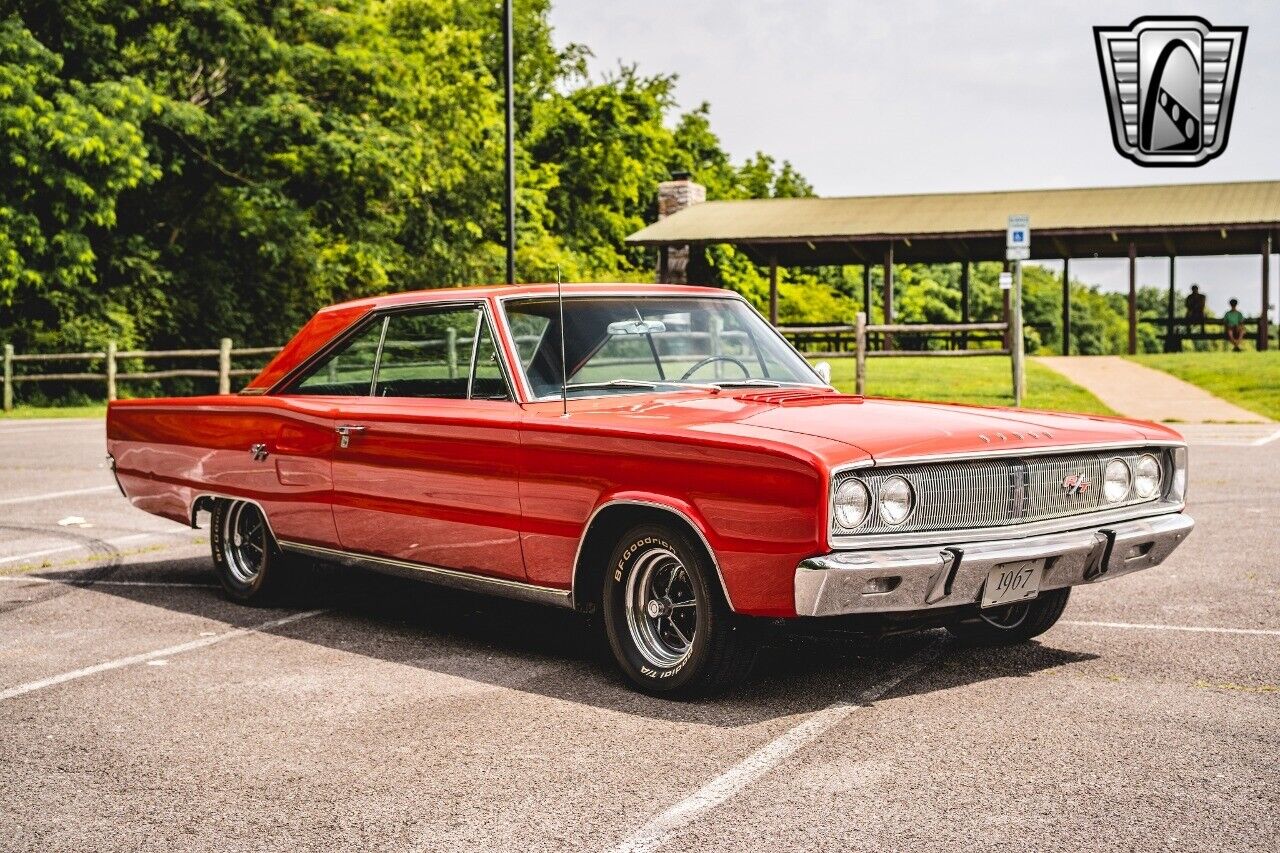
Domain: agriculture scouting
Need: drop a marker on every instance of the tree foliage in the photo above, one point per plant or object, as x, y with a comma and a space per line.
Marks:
174, 171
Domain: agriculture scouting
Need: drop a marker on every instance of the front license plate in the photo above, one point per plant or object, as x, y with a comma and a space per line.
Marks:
1012, 582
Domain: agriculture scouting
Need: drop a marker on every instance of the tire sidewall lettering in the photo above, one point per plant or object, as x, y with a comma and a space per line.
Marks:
622, 568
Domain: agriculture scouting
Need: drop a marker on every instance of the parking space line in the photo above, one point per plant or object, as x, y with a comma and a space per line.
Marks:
659, 830
26, 499
168, 651
1151, 626
1267, 439
62, 549
74, 582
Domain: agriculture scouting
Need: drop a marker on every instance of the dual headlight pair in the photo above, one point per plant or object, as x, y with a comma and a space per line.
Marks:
1120, 481
895, 499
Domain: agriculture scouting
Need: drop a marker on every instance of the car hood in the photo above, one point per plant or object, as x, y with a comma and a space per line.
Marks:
889, 429
825, 422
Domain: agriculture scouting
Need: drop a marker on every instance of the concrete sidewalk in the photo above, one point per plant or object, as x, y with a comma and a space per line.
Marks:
1140, 392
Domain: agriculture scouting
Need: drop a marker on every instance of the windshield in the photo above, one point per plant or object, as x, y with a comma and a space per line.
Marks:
631, 343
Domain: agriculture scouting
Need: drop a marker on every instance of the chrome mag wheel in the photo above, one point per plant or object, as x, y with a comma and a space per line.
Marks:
661, 607
245, 534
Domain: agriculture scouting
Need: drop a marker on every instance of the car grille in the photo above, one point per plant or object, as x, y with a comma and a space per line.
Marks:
996, 492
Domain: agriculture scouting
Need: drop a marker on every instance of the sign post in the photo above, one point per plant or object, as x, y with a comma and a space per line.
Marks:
1017, 250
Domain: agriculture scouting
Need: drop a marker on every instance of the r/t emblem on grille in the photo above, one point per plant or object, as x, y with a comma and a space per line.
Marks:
1075, 484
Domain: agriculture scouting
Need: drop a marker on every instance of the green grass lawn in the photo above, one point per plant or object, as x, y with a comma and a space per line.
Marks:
983, 380
25, 412
1249, 379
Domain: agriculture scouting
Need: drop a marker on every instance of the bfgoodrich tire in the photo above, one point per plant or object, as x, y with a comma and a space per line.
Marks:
1017, 623
669, 627
249, 563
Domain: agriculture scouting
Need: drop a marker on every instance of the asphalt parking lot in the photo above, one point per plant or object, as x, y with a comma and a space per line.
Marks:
141, 710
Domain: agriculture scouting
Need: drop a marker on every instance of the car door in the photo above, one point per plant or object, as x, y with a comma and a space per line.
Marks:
425, 466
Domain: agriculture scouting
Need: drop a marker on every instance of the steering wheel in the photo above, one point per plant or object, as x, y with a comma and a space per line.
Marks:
746, 374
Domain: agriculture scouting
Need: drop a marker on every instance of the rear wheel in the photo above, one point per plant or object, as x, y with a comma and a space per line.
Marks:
1016, 623
669, 627
249, 563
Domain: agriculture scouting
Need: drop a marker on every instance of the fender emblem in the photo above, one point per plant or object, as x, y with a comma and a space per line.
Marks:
1075, 484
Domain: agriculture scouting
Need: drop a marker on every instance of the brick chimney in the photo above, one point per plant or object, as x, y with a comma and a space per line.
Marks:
674, 196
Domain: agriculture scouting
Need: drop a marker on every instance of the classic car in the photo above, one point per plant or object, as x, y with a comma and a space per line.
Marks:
656, 456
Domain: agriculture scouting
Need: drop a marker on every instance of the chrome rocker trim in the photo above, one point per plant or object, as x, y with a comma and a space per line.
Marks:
946, 575
436, 574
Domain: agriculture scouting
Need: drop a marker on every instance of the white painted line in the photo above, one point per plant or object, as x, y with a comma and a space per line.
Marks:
29, 424
1149, 626
1267, 439
48, 496
44, 430
74, 582
62, 549
181, 648
659, 830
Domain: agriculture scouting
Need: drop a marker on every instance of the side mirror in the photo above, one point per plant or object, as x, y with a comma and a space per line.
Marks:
823, 369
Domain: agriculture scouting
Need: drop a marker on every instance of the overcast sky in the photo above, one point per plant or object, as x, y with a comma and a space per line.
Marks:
870, 98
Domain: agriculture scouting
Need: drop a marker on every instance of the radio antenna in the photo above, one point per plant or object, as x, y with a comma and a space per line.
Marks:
564, 367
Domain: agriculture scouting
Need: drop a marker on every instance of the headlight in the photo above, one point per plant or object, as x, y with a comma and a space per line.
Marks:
1146, 476
1115, 487
852, 502
897, 499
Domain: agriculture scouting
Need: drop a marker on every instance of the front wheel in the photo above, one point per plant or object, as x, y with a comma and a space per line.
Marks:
669, 627
250, 565
1016, 623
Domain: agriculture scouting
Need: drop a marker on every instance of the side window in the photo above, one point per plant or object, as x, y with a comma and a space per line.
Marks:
348, 372
488, 382
428, 354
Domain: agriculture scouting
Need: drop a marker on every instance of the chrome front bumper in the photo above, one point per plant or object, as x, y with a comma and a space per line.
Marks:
902, 580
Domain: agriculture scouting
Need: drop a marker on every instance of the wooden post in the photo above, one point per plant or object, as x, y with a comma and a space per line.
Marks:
451, 350
111, 370
8, 377
866, 289
1004, 316
1264, 316
773, 290
1019, 374
224, 366
1066, 306
887, 339
860, 373
1170, 334
964, 302
1133, 297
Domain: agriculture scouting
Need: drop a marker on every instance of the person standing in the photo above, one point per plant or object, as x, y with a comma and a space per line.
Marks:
1233, 324
1195, 308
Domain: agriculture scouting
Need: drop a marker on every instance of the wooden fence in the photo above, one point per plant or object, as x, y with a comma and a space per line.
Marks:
111, 357
862, 352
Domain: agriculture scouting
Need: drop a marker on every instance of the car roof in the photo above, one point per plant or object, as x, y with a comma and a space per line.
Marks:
447, 294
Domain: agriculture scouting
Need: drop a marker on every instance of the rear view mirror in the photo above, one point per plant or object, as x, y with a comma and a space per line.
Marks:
636, 327
823, 369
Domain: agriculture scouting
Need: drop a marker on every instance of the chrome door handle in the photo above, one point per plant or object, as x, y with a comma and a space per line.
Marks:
345, 431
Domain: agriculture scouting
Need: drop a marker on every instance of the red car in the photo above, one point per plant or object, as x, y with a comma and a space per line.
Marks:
655, 455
